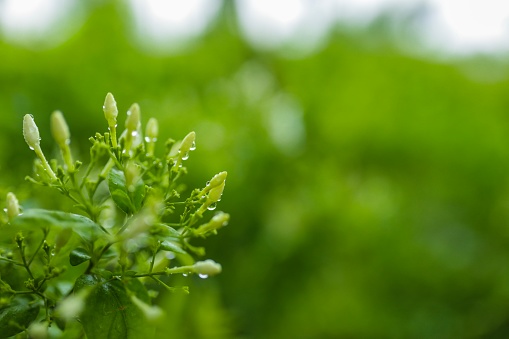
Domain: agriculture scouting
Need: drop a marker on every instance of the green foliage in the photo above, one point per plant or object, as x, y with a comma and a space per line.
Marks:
384, 217
84, 269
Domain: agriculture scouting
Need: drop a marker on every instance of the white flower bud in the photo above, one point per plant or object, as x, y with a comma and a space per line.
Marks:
12, 206
59, 129
187, 143
133, 118
110, 110
215, 193
218, 221
31, 132
152, 129
207, 267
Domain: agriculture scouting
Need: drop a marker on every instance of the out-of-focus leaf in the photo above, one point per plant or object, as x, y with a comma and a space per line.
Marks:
78, 256
39, 218
109, 312
168, 245
129, 202
15, 317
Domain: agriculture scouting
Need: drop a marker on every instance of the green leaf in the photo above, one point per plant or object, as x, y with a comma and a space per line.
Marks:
109, 312
39, 218
78, 256
168, 245
15, 318
129, 202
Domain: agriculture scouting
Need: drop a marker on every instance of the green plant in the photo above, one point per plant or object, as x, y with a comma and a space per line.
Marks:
65, 274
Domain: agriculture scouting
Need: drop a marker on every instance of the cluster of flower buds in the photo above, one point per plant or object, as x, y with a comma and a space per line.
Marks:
212, 192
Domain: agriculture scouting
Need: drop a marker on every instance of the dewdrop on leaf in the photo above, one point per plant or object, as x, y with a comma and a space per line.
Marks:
31, 132
207, 267
59, 129
12, 206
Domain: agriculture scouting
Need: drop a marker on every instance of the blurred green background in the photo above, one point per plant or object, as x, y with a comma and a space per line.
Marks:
368, 188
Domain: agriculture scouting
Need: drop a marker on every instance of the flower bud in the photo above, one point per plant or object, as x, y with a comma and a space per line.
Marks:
59, 129
187, 144
31, 132
216, 180
133, 118
218, 221
152, 129
207, 267
12, 206
215, 193
110, 110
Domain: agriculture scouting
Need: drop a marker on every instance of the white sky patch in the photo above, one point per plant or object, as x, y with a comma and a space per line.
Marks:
271, 24
172, 21
35, 21
451, 26
461, 26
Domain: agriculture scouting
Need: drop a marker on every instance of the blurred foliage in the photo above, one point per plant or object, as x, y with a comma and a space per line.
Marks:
368, 189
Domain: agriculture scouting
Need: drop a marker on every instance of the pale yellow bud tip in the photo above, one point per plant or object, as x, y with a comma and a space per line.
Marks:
133, 118
12, 206
218, 179
59, 128
152, 130
110, 109
207, 267
188, 143
30, 131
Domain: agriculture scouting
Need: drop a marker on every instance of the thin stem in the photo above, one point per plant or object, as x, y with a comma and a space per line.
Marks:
12, 261
22, 251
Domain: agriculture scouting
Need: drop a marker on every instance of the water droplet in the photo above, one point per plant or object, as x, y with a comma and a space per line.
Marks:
134, 133
31, 148
170, 255
212, 207
184, 274
185, 156
5, 210
203, 276
149, 139
208, 183
193, 146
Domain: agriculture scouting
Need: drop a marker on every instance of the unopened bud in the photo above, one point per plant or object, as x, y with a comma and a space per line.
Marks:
12, 206
207, 267
152, 129
133, 118
187, 143
218, 221
216, 180
31, 132
110, 110
215, 193
59, 129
